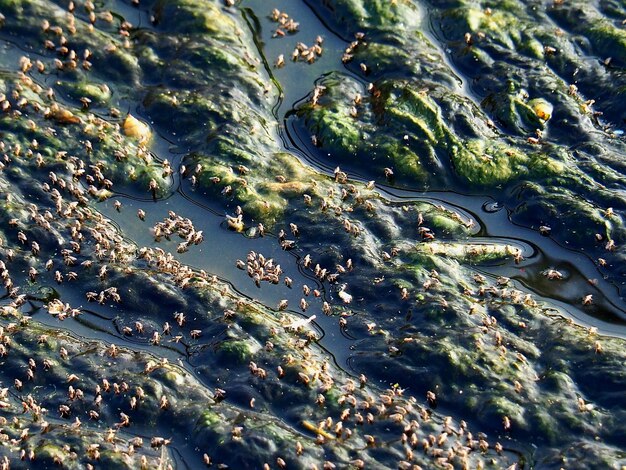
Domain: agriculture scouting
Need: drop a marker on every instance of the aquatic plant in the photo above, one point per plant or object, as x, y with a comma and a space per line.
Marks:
200, 272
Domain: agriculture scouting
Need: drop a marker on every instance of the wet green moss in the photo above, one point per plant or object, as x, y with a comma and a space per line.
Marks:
337, 129
487, 163
98, 93
475, 253
406, 128
236, 351
440, 127
608, 40
382, 58
52, 452
376, 14
501, 22
446, 223
209, 419
196, 18
351, 131
513, 110
421, 115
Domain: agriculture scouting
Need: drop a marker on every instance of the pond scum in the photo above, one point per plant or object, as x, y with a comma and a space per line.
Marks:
385, 331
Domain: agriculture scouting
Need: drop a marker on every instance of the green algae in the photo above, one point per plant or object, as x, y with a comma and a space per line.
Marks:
237, 144
484, 163
376, 14
99, 94
475, 253
607, 39
237, 351
339, 124
421, 137
520, 98
51, 452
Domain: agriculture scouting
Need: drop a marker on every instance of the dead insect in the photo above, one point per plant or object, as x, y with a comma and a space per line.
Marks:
506, 423
431, 398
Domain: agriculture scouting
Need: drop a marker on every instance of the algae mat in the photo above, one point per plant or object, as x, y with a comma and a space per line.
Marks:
312, 234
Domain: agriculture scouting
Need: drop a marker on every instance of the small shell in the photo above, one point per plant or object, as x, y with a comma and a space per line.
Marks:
136, 129
63, 116
542, 108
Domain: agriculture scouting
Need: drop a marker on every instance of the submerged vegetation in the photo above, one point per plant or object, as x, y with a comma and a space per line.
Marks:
416, 264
